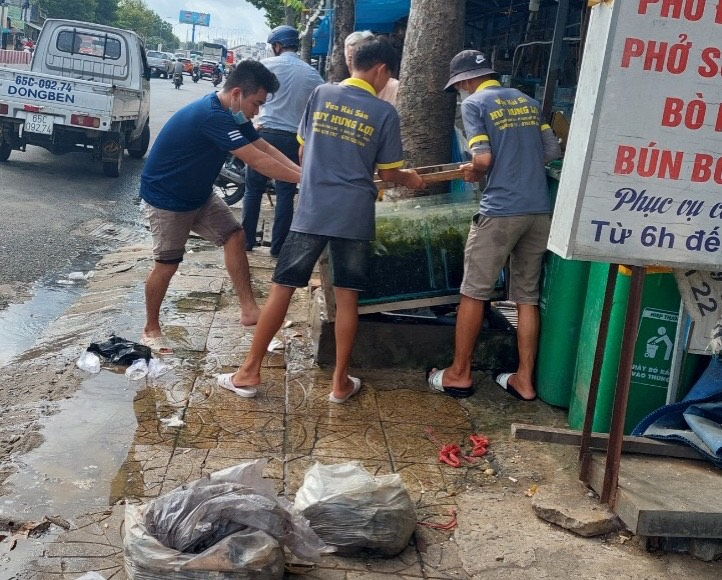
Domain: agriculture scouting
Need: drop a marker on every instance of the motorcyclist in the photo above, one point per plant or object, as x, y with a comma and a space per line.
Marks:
178, 71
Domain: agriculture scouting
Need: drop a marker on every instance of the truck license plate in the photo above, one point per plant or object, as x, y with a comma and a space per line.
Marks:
37, 123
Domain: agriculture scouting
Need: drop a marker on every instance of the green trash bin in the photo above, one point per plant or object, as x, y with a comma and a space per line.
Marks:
652, 353
561, 309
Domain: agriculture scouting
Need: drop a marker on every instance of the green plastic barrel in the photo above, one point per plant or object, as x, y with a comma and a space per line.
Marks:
561, 309
652, 353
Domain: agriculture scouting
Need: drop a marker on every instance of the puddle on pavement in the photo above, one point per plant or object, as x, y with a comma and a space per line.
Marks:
85, 444
22, 324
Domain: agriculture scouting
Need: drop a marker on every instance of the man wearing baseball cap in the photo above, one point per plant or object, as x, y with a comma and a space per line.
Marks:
510, 145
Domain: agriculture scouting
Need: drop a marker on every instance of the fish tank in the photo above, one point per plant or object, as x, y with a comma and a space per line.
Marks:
419, 248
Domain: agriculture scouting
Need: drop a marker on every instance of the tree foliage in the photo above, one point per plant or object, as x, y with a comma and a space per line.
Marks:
276, 10
72, 9
129, 14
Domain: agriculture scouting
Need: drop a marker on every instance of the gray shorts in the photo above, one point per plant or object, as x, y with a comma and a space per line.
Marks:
491, 241
213, 221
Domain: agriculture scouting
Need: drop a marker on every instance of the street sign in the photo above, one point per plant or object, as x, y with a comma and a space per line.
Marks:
642, 177
196, 18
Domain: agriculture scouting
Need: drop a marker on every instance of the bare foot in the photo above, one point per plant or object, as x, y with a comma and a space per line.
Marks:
243, 377
525, 389
250, 316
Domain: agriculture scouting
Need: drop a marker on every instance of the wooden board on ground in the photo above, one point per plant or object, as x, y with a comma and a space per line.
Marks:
599, 441
665, 497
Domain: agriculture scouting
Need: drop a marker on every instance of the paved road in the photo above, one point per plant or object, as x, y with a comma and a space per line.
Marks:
50, 203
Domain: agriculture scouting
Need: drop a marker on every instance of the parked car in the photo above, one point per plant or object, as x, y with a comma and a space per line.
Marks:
160, 63
187, 65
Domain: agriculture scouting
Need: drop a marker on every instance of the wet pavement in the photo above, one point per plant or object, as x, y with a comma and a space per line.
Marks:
96, 441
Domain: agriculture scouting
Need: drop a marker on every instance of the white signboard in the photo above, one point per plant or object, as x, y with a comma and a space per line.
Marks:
642, 176
702, 296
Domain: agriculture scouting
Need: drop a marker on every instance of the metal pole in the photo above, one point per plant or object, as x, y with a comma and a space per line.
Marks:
585, 455
560, 27
621, 396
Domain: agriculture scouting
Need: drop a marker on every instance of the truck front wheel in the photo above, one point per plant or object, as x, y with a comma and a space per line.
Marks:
5, 151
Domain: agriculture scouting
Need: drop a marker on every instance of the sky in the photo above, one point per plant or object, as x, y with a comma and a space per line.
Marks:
236, 20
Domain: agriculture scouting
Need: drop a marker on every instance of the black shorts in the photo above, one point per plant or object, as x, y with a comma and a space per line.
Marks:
349, 260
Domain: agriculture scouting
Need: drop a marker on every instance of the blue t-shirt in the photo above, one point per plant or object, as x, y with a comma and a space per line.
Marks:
347, 133
507, 123
188, 154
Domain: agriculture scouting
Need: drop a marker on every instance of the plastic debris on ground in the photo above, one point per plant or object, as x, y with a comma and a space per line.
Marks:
91, 576
354, 511
173, 421
120, 351
138, 370
89, 362
157, 368
229, 525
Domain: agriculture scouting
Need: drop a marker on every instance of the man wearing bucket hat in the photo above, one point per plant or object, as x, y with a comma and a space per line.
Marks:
510, 145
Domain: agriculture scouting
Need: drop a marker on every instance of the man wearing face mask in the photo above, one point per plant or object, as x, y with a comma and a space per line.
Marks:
177, 186
277, 123
510, 145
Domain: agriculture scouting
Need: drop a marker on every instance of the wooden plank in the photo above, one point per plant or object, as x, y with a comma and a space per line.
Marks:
404, 304
600, 440
431, 174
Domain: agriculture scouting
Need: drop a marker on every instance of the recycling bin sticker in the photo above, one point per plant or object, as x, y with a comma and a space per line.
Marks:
654, 348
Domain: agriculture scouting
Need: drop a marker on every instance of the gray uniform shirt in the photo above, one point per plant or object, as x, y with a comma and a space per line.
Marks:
347, 132
507, 123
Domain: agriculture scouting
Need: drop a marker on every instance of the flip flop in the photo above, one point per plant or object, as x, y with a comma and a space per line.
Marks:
356, 388
157, 344
435, 378
246, 391
503, 381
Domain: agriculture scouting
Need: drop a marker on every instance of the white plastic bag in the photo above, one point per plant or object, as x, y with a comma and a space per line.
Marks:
138, 370
89, 362
156, 368
91, 576
354, 511
230, 524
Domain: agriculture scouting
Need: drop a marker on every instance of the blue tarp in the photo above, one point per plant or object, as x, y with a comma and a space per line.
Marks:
375, 15
696, 420
380, 15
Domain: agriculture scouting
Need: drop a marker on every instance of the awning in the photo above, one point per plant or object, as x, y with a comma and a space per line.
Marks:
380, 15
31, 25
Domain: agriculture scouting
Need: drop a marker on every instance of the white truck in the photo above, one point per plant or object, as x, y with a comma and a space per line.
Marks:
88, 89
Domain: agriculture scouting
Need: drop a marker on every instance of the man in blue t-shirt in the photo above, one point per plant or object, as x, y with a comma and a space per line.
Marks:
177, 185
510, 145
346, 133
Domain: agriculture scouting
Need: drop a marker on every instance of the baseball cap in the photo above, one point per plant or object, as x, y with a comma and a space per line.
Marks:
468, 64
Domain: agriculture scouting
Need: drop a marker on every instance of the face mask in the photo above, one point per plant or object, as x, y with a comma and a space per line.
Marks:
238, 117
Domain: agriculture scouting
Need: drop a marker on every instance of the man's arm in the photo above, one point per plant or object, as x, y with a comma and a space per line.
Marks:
480, 163
406, 177
271, 151
267, 165
552, 150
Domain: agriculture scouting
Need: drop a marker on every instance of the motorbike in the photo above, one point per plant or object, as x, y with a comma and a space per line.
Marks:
177, 80
196, 75
230, 183
217, 76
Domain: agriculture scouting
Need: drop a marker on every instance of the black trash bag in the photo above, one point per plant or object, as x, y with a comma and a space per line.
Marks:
229, 525
120, 351
355, 512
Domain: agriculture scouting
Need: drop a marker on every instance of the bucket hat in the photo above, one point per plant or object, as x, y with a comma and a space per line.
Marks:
468, 64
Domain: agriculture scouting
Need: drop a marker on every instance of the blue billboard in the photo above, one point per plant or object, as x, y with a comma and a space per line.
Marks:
197, 18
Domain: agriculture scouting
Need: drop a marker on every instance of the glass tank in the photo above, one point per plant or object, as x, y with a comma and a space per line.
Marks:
419, 247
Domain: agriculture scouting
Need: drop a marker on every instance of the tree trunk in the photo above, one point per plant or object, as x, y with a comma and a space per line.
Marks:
290, 16
307, 44
344, 16
434, 35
